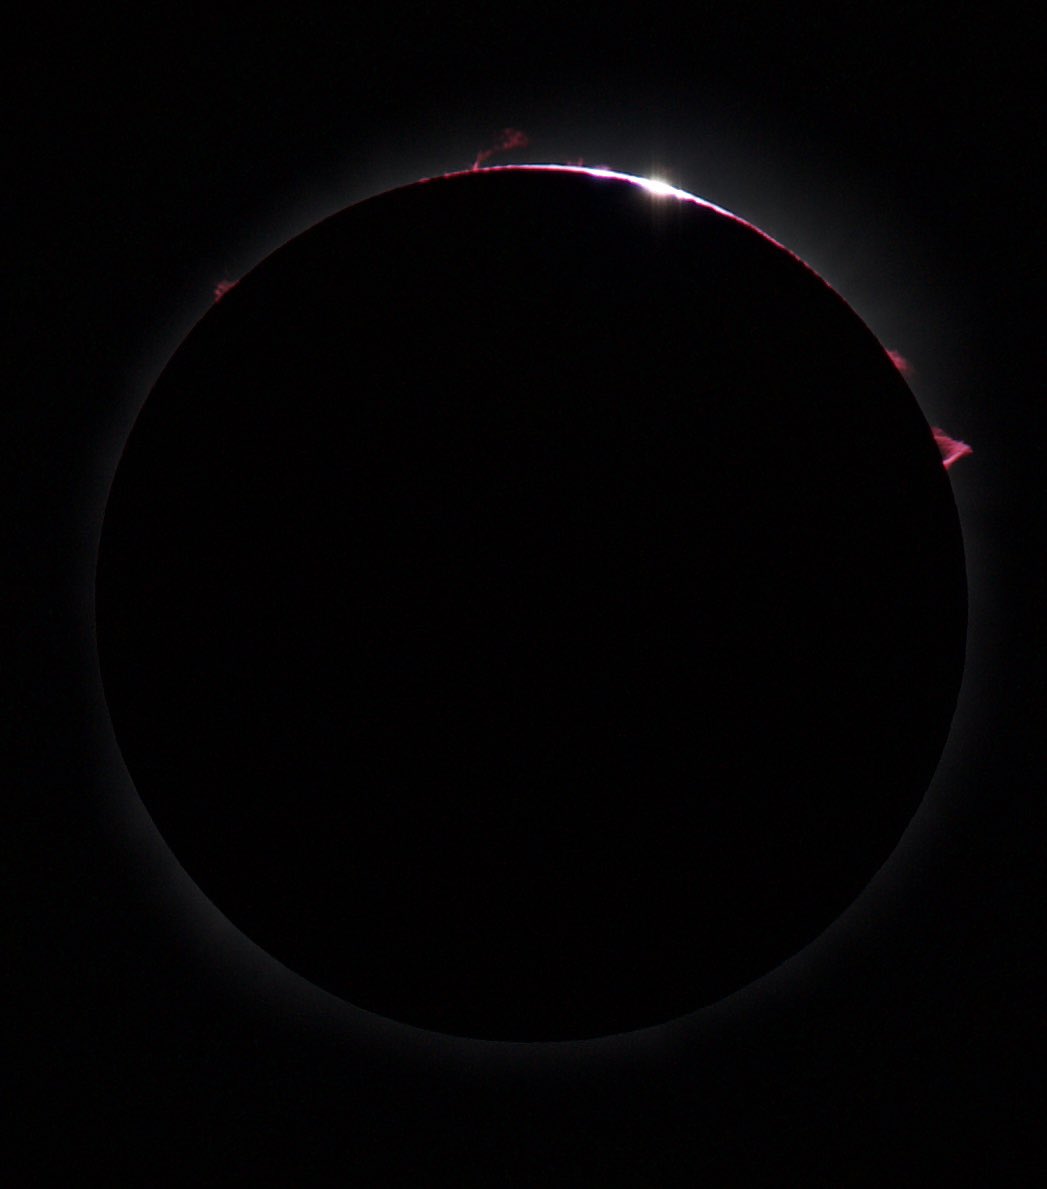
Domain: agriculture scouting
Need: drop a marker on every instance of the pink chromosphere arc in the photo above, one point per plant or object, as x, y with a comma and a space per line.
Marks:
952, 450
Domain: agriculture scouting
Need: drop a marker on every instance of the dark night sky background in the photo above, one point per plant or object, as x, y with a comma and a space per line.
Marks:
155, 157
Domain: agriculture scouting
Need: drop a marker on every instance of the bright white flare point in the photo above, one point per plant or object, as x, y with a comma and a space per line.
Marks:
654, 186
660, 188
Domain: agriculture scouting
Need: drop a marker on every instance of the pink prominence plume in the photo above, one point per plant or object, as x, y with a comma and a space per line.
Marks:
951, 449
508, 139
900, 362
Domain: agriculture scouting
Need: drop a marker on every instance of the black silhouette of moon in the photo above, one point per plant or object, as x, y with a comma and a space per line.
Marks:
531, 604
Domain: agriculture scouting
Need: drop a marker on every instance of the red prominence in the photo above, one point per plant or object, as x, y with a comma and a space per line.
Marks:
508, 139
952, 450
900, 362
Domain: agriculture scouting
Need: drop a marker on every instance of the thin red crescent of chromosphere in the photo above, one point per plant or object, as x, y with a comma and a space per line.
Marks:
952, 450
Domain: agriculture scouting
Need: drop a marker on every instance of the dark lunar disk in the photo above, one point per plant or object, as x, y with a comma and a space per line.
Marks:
530, 606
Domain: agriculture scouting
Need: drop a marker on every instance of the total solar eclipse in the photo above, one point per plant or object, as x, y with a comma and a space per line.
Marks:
531, 604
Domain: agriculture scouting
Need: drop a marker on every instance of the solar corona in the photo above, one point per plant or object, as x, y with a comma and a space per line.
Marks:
531, 603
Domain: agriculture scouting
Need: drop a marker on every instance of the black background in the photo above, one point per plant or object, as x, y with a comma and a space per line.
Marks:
155, 157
